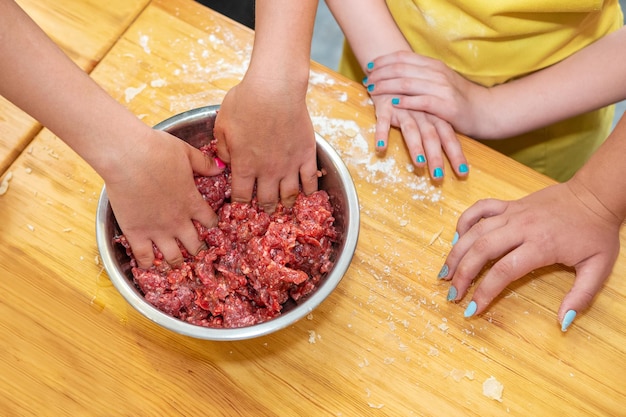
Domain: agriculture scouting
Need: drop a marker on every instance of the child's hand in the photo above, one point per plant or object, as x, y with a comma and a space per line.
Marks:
564, 224
414, 82
426, 137
154, 197
265, 132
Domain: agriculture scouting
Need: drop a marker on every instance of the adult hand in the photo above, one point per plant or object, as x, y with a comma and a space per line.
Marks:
155, 200
564, 224
265, 132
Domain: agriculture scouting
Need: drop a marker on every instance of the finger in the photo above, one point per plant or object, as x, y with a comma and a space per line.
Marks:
412, 138
221, 147
452, 147
486, 241
482, 209
170, 250
142, 251
189, 238
203, 164
267, 193
309, 177
404, 80
589, 281
432, 146
422, 102
515, 264
381, 132
242, 186
400, 57
289, 188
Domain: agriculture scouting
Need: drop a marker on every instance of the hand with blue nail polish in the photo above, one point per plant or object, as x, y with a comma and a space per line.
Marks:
575, 223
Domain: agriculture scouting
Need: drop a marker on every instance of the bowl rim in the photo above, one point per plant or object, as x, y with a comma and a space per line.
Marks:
138, 302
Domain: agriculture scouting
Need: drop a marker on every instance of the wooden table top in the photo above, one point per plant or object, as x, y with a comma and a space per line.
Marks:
385, 343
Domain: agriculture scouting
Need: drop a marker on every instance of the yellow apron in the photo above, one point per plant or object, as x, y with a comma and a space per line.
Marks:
494, 41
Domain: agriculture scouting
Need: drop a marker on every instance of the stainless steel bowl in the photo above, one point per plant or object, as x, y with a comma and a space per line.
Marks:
196, 127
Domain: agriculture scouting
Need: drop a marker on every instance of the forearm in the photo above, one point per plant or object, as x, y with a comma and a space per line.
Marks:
369, 28
604, 176
590, 79
40, 79
282, 43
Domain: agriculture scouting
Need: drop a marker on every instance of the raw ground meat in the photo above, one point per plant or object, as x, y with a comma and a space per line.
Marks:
254, 264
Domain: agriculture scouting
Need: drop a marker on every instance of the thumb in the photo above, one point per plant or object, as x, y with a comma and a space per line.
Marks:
590, 278
203, 164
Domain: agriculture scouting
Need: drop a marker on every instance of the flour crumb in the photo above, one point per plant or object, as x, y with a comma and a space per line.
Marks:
4, 185
459, 374
313, 337
131, 92
143, 42
158, 83
30, 227
492, 388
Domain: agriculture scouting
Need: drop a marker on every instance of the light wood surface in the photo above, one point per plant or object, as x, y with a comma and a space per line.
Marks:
385, 343
85, 30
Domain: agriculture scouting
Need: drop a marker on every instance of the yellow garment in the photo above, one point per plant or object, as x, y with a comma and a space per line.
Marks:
494, 41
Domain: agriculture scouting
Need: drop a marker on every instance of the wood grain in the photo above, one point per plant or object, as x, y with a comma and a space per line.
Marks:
385, 343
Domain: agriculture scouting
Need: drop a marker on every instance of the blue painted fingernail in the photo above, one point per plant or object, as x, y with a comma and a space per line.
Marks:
455, 238
395, 101
567, 320
438, 173
370, 88
364, 80
444, 272
463, 168
380, 144
471, 309
451, 293
370, 65
420, 159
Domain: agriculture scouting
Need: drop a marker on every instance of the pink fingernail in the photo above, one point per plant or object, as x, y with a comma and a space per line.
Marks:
220, 164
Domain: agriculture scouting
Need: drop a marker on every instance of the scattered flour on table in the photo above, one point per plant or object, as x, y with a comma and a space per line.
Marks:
492, 388
4, 185
143, 42
385, 171
131, 92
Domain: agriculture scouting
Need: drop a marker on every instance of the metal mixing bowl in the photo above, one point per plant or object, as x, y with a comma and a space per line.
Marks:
196, 127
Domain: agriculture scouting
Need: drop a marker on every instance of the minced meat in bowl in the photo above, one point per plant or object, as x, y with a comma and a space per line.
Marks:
323, 226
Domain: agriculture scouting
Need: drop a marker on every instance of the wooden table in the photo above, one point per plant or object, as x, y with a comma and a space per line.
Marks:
385, 343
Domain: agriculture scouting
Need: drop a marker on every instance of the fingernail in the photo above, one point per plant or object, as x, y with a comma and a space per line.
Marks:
380, 144
455, 238
370, 88
463, 168
471, 309
451, 293
420, 159
395, 101
219, 163
438, 173
365, 80
444, 272
370, 65
567, 320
